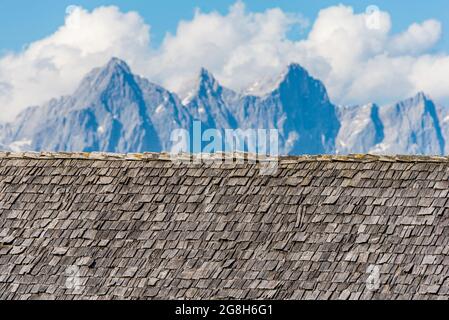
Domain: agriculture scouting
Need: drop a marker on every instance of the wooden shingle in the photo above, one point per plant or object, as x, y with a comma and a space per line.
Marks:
91, 226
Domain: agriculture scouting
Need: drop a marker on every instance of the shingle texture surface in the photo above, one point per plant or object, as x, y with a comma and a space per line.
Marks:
87, 226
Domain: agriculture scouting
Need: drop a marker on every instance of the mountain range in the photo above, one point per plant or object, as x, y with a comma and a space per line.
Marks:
113, 110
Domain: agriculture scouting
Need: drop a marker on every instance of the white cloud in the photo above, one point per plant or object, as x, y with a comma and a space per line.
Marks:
54, 65
354, 54
236, 47
367, 64
417, 39
430, 73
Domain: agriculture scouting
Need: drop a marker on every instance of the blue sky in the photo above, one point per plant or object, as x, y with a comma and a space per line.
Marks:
23, 21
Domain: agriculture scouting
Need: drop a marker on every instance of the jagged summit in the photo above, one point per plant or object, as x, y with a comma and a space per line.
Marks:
115, 63
294, 68
411, 126
115, 67
295, 77
115, 76
114, 110
207, 81
293, 72
421, 96
205, 75
269, 84
204, 83
419, 100
102, 76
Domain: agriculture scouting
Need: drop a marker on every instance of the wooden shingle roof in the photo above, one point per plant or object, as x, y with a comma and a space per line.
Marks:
96, 226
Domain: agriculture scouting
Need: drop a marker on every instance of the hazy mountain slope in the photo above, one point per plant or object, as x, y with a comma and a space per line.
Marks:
298, 106
308, 120
443, 116
361, 129
165, 111
113, 110
3, 134
106, 113
411, 127
210, 103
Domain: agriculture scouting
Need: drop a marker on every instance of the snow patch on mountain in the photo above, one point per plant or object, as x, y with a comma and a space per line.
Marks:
268, 84
116, 111
101, 130
160, 108
19, 146
361, 129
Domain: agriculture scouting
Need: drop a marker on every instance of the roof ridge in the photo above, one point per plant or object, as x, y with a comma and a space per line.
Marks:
152, 156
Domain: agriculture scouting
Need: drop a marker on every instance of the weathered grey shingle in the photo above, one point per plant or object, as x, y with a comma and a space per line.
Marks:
140, 226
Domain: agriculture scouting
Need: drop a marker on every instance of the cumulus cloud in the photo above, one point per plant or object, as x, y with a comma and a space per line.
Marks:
417, 39
237, 47
367, 63
53, 66
356, 55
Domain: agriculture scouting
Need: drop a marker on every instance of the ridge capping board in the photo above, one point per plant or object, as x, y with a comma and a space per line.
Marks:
150, 156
